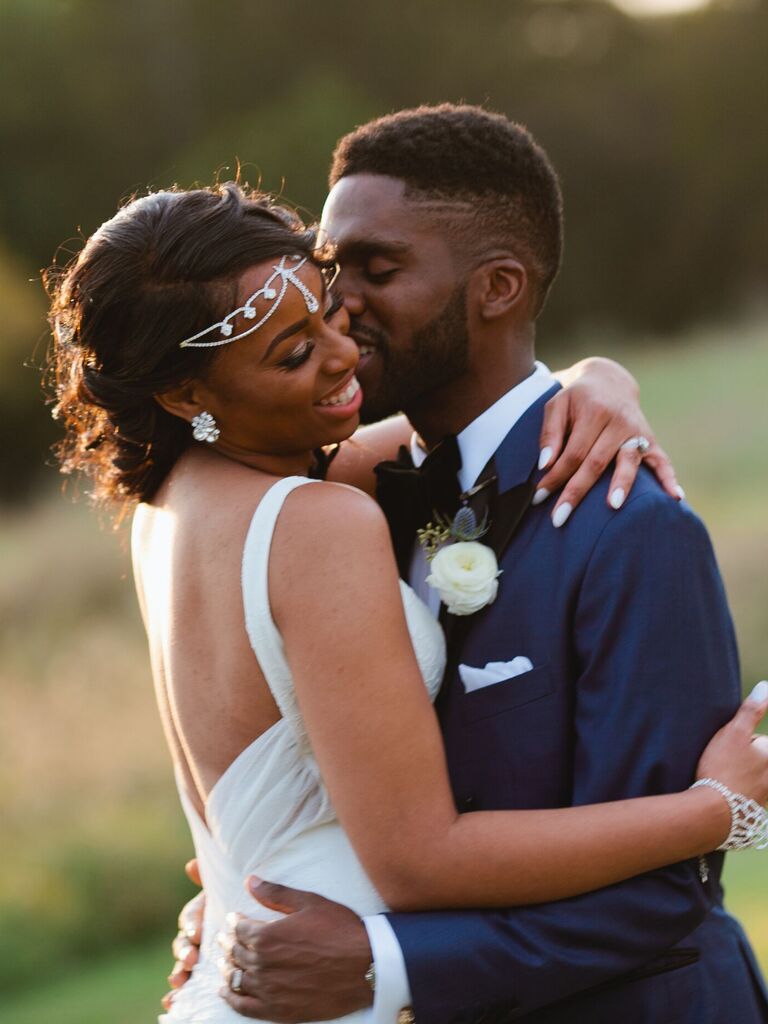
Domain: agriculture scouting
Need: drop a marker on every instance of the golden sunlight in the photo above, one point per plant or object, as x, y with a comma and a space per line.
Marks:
653, 8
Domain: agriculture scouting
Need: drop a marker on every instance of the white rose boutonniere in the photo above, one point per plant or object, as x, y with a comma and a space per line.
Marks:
466, 576
464, 572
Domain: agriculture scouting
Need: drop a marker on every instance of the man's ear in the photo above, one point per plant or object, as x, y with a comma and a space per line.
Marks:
501, 286
184, 401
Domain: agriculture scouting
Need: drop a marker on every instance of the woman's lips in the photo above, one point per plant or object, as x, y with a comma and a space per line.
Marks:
343, 397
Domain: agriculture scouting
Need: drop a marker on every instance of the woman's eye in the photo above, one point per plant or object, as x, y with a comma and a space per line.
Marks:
297, 356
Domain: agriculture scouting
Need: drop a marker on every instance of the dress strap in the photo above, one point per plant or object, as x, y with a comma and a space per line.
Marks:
266, 641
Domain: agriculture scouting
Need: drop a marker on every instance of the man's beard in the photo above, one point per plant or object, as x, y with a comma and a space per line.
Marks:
438, 354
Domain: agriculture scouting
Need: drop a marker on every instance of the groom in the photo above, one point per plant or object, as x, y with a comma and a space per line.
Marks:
448, 227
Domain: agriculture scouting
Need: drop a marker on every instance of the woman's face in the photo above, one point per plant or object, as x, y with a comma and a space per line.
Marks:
289, 386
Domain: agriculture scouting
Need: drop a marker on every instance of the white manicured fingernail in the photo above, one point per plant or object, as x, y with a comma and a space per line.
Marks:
541, 495
680, 492
544, 457
760, 693
561, 514
617, 498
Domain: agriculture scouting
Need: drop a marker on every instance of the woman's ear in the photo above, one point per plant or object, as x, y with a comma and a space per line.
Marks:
183, 401
501, 287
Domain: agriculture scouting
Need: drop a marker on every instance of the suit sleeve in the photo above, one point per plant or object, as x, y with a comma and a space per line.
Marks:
657, 675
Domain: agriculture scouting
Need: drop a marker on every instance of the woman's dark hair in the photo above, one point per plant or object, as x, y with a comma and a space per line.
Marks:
162, 269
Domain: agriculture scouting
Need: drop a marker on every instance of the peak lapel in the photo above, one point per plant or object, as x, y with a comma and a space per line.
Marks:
506, 499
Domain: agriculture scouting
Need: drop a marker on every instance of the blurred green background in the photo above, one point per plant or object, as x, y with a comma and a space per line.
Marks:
657, 126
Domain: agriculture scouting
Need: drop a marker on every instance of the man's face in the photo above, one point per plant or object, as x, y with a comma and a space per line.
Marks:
402, 290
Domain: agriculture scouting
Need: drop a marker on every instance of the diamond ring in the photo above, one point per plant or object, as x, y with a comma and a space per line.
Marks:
639, 443
236, 980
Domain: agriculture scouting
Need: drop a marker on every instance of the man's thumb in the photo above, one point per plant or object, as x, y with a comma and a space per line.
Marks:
281, 898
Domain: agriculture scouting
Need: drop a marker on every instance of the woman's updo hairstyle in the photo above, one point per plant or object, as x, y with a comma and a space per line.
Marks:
162, 269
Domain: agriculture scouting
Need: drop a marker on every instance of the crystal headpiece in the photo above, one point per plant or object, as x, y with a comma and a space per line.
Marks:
271, 290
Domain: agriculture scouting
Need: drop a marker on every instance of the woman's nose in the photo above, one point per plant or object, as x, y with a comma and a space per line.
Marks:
342, 353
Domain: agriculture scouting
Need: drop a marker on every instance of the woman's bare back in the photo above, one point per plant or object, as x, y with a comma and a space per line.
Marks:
187, 553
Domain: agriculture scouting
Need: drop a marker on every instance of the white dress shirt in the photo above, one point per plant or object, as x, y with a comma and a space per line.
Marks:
477, 443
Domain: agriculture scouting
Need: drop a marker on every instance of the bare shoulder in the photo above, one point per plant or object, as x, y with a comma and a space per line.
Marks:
331, 544
333, 511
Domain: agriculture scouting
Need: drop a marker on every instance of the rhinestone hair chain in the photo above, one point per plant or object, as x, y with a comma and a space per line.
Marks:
269, 290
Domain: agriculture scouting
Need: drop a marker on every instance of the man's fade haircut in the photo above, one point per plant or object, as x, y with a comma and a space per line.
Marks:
492, 184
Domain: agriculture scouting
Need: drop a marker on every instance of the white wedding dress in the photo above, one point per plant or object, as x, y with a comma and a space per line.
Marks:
269, 814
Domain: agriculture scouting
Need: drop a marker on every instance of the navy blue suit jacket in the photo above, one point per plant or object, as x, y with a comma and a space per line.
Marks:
635, 667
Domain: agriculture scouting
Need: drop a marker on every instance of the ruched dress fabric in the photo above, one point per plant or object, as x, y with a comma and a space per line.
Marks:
270, 814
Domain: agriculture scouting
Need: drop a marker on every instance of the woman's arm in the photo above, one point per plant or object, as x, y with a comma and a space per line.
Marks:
584, 426
378, 745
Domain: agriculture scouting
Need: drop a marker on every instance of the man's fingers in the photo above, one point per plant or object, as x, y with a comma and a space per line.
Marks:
192, 870
243, 956
246, 1006
247, 981
281, 898
246, 931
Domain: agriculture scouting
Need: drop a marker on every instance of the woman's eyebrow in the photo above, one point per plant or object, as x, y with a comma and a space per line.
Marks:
286, 333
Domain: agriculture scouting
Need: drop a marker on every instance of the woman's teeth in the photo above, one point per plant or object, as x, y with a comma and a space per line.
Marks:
344, 397
366, 350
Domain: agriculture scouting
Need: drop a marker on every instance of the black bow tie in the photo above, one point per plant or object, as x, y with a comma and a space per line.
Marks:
410, 497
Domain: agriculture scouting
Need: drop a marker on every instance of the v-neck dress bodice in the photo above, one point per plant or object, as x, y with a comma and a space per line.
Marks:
270, 814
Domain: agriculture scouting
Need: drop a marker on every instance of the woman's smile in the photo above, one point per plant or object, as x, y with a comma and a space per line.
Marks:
345, 400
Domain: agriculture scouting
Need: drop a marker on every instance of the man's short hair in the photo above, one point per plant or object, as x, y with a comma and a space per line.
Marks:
491, 183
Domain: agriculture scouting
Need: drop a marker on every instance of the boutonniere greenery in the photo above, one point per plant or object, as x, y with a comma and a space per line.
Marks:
464, 572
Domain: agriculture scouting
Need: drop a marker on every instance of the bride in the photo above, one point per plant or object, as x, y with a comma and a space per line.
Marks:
294, 670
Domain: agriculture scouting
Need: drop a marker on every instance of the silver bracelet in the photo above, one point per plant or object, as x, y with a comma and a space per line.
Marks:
749, 821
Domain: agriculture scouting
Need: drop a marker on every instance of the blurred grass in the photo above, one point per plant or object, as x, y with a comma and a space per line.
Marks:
122, 990
93, 842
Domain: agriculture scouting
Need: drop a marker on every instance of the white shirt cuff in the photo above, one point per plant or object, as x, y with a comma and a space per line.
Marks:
392, 991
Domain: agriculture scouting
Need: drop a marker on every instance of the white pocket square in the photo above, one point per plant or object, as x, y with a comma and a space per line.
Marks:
494, 672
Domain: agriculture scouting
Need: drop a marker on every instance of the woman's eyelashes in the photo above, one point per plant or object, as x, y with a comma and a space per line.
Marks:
297, 356
301, 352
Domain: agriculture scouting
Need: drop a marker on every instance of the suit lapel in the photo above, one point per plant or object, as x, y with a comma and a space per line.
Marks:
507, 498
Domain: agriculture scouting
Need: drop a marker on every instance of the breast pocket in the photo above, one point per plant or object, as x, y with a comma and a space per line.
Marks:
507, 694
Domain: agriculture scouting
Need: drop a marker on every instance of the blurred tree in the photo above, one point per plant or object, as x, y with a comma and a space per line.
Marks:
656, 126
27, 429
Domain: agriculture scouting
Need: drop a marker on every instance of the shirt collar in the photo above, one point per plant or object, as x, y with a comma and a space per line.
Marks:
479, 440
